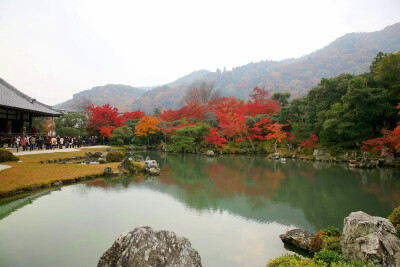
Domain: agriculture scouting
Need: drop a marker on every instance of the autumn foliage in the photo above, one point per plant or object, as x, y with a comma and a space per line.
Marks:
147, 125
215, 138
390, 140
106, 131
311, 142
229, 113
102, 116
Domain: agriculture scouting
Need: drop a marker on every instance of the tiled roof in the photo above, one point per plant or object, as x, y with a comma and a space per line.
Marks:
13, 98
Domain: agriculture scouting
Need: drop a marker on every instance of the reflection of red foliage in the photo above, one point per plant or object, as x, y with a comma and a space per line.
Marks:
233, 181
387, 193
97, 183
309, 175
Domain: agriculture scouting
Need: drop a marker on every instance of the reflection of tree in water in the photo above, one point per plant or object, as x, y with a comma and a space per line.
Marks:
300, 193
188, 168
326, 193
383, 183
334, 193
9, 206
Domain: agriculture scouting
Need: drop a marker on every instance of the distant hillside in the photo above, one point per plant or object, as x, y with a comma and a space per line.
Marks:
351, 53
124, 97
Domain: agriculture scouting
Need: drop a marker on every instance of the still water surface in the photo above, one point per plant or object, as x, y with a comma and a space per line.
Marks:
232, 209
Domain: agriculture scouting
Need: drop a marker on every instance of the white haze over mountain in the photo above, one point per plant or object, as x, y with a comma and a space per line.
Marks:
52, 49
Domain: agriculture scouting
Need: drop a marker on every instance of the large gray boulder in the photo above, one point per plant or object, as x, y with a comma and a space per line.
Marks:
370, 239
151, 167
145, 246
299, 238
318, 152
107, 171
124, 165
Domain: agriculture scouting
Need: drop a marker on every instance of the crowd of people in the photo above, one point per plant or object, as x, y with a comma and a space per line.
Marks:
41, 142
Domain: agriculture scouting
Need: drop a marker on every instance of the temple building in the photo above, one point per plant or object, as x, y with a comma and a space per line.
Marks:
17, 111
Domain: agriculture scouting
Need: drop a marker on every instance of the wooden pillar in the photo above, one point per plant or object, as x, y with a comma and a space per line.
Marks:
21, 119
30, 122
52, 123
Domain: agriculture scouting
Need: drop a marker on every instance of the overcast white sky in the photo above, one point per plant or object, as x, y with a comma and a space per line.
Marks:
51, 49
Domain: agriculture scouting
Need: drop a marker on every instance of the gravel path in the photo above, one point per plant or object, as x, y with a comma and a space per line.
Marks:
4, 167
44, 151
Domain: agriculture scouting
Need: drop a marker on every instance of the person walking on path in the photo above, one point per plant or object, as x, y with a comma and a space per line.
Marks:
61, 142
32, 142
24, 142
53, 142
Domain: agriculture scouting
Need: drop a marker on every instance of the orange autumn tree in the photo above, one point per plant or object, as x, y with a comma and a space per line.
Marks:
147, 125
49, 126
276, 132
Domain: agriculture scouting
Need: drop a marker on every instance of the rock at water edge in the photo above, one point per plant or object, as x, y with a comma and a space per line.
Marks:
145, 246
370, 239
299, 238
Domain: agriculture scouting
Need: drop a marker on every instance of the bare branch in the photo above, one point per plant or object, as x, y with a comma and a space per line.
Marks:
202, 93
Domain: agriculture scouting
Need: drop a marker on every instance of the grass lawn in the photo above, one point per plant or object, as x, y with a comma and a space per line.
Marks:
31, 172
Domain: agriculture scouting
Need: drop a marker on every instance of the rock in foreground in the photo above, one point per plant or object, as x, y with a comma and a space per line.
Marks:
370, 239
299, 238
145, 246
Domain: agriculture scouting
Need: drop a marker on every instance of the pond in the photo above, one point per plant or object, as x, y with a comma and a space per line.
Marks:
231, 208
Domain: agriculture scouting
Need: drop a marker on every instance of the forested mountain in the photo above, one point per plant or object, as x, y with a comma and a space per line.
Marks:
351, 53
124, 97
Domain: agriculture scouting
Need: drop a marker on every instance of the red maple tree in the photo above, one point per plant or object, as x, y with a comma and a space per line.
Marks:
106, 131
102, 116
311, 142
215, 138
390, 140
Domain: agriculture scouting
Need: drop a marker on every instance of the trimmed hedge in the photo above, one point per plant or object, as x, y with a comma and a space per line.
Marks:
135, 167
114, 156
6, 155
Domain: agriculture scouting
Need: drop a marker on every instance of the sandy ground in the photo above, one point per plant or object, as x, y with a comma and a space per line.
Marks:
3, 167
44, 151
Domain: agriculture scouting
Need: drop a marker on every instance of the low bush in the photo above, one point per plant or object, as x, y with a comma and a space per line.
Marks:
6, 155
328, 239
332, 231
332, 243
135, 167
398, 229
328, 256
325, 259
316, 241
289, 260
394, 218
114, 156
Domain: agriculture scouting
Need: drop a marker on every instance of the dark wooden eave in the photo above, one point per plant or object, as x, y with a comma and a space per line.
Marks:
12, 98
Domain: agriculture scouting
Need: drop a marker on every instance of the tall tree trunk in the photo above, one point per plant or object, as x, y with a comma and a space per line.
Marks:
251, 142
